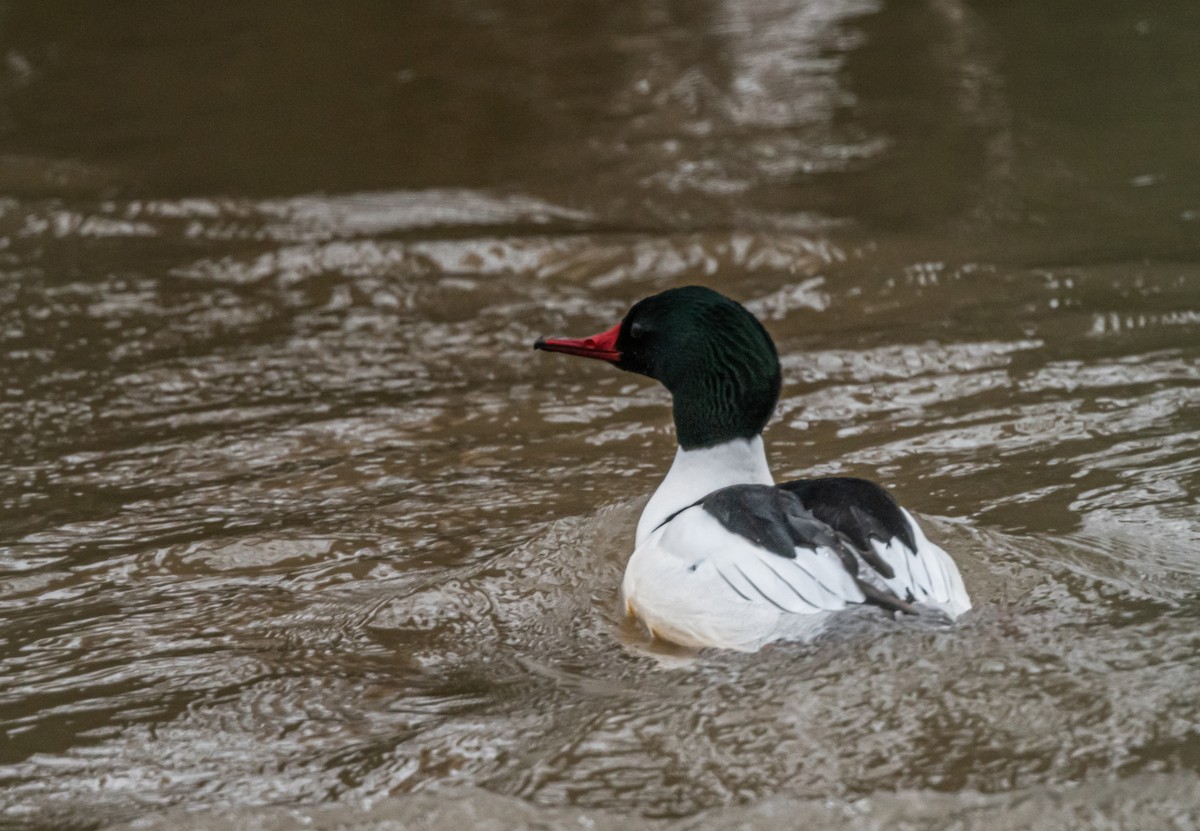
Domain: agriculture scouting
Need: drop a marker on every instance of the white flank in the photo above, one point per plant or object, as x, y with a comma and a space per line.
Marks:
694, 583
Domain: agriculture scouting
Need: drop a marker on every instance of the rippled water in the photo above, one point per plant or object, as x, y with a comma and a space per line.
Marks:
296, 527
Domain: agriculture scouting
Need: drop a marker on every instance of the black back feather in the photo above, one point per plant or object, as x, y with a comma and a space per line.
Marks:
860, 509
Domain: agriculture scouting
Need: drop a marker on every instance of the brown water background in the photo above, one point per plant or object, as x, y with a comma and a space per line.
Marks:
295, 527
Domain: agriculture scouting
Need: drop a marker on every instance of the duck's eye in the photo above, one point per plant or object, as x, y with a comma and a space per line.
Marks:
636, 329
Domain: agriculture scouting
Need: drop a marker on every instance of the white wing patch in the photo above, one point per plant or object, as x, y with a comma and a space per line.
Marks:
925, 577
949, 593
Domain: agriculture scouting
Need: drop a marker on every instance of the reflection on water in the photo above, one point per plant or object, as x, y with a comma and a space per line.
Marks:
292, 516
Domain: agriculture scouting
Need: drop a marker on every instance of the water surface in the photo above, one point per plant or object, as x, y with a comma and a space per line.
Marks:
296, 527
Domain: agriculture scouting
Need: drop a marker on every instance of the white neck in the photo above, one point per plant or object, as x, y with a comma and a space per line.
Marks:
696, 473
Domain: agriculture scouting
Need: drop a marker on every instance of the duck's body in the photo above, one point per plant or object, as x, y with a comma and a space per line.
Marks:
737, 564
723, 557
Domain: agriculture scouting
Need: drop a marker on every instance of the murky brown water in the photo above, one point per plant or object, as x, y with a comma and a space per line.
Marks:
297, 528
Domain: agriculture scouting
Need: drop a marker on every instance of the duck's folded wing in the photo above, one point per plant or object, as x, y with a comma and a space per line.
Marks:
797, 561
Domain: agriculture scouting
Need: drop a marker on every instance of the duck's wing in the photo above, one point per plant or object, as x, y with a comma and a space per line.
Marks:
889, 542
797, 561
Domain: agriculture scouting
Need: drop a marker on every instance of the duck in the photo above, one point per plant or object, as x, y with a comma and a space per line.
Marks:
723, 556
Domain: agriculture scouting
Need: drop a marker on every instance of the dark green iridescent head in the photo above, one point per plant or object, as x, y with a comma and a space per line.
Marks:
716, 359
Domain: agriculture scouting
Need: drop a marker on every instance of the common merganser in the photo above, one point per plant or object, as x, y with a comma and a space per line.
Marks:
724, 557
